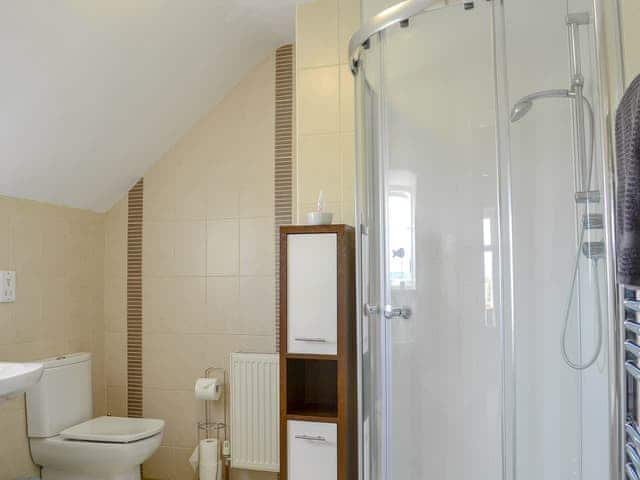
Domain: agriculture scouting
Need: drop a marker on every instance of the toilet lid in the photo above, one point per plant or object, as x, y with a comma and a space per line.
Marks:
114, 430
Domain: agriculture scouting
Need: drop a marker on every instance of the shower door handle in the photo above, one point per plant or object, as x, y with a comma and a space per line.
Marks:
370, 309
394, 312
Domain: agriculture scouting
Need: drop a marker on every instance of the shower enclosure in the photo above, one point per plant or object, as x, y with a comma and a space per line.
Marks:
486, 288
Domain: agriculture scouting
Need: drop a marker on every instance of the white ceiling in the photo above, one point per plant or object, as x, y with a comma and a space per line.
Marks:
94, 91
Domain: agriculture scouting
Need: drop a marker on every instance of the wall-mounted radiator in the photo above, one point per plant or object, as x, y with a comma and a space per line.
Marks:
255, 387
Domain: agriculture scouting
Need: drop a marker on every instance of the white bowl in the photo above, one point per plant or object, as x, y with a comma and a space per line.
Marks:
319, 218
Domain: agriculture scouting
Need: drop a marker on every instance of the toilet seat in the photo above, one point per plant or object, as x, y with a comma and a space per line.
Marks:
113, 430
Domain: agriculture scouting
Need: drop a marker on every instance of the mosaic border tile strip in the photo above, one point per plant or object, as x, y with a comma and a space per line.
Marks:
134, 299
284, 151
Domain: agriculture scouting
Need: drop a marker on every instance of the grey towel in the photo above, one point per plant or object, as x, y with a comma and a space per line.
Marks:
628, 191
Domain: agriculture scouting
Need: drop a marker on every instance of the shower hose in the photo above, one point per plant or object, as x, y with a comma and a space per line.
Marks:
577, 365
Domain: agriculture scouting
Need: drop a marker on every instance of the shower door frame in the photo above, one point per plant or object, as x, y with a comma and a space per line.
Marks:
610, 72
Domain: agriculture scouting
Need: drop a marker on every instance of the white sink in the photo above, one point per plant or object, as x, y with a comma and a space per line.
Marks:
18, 377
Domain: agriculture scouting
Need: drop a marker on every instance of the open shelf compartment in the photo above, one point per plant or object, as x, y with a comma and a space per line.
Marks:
312, 388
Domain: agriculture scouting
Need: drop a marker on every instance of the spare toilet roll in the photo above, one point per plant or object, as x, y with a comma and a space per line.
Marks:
208, 459
208, 389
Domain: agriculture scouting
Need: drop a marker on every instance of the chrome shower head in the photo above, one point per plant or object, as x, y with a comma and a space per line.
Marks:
522, 106
520, 109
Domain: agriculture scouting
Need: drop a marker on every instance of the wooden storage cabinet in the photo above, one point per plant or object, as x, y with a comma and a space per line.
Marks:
318, 429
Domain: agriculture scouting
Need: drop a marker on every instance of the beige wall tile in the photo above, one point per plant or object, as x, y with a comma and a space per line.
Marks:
7, 209
14, 454
115, 301
317, 33
162, 465
179, 409
206, 201
183, 467
115, 241
257, 297
116, 400
115, 359
223, 247
159, 248
6, 327
347, 101
348, 160
316, 115
348, 24
319, 168
220, 347
58, 255
256, 197
160, 191
27, 309
158, 304
191, 246
26, 240
257, 243
191, 185
223, 191
191, 304
222, 303
175, 305
174, 361
318, 100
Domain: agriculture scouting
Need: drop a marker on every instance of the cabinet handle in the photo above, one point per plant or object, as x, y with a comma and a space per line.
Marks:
313, 439
306, 339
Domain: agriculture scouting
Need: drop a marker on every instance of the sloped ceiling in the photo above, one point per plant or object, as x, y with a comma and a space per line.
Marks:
94, 91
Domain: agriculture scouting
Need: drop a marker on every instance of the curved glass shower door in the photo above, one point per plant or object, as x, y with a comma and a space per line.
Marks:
432, 355
484, 211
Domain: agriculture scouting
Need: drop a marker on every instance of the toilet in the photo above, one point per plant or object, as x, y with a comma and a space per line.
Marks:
67, 443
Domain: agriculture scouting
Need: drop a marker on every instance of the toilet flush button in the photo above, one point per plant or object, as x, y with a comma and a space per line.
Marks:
7, 286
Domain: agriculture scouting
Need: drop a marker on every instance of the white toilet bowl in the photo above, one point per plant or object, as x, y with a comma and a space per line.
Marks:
70, 446
116, 449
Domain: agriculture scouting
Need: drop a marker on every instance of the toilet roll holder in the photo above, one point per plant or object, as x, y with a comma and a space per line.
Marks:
208, 426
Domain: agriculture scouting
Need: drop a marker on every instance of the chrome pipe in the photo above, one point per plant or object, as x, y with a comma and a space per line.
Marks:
633, 327
633, 370
631, 473
632, 348
633, 305
631, 429
633, 455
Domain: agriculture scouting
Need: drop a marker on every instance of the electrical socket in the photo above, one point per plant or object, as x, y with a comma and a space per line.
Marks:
7, 286
226, 448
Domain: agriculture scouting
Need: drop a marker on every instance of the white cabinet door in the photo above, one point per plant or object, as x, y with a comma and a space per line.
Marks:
312, 451
312, 293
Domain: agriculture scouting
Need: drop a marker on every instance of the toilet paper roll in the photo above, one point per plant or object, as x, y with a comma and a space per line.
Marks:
208, 451
208, 472
208, 389
208, 469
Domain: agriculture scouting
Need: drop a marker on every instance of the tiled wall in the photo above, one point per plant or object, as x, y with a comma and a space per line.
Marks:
208, 256
630, 13
115, 304
57, 255
325, 107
